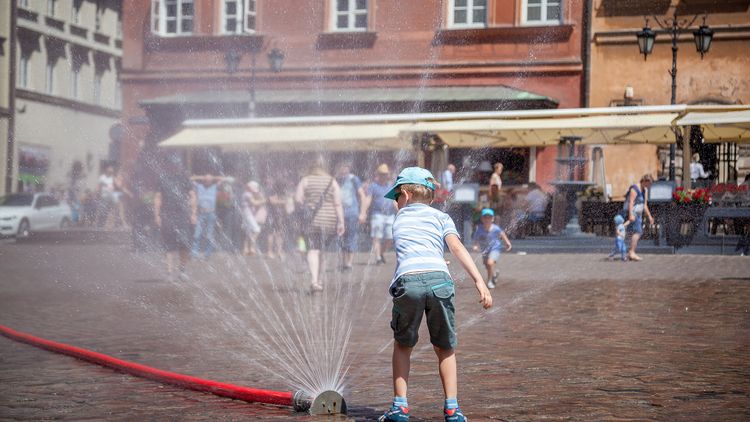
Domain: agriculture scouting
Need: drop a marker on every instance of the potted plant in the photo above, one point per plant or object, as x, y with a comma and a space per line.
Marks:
685, 215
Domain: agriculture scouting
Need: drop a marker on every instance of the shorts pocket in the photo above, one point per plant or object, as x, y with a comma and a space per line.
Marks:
443, 290
394, 319
398, 289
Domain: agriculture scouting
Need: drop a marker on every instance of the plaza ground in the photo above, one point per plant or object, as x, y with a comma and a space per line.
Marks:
571, 337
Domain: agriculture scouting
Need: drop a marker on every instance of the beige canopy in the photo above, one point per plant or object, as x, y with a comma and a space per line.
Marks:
501, 129
728, 126
329, 137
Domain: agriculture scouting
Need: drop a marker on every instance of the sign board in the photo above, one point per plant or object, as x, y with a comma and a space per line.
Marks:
465, 193
661, 191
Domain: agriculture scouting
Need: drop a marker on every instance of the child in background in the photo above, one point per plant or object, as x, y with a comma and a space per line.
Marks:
619, 247
487, 239
422, 286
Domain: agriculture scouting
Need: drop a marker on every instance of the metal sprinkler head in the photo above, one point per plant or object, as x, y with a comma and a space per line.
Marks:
326, 403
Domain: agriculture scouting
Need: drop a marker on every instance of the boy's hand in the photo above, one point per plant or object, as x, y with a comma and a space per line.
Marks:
508, 247
485, 298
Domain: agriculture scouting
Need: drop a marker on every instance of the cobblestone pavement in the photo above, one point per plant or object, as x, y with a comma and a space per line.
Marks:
572, 337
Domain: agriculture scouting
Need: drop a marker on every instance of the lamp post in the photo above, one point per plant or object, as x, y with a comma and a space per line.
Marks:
674, 26
275, 61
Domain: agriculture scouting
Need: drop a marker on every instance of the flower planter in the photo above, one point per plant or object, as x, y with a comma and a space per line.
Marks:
682, 222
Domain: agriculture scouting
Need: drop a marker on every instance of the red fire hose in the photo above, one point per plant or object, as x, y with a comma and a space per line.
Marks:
185, 381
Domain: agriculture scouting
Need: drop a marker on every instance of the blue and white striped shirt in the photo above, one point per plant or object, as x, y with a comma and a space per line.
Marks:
419, 233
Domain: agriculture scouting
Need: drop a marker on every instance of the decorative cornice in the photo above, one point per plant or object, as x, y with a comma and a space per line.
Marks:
345, 40
240, 43
67, 103
628, 36
510, 34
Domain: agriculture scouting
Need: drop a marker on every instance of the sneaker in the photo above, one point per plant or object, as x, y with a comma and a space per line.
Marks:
493, 281
381, 260
454, 415
396, 413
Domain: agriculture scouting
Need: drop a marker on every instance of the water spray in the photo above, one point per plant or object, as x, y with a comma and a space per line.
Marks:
325, 403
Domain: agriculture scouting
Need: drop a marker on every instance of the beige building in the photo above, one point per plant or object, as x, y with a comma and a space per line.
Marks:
67, 93
620, 77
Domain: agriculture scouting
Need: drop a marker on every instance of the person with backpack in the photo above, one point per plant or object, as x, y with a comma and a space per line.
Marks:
634, 208
352, 195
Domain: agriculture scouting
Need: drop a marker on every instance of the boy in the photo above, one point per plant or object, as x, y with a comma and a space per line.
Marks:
423, 285
619, 247
487, 238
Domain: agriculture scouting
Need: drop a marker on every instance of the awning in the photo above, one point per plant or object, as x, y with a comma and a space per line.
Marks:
730, 126
330, 137
500, 129
601, 129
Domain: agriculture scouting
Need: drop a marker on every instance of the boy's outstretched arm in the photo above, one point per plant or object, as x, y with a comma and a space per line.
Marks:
506, 240
459, 251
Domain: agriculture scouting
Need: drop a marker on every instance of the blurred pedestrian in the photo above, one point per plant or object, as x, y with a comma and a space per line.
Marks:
619, 248
206, 191
382, 215
636, 204
446, 182
175, 211
495, 179
253, 209
278, 220
487, 239
698, 175
319, 195
352, 195
106, 194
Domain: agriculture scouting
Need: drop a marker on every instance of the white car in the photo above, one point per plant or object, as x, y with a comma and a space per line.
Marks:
24, 213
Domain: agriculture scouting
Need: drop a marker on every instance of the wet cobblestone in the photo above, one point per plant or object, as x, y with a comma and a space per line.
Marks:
571, 337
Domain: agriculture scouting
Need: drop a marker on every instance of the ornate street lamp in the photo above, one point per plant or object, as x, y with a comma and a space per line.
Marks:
703, 36
646, 39
275, 61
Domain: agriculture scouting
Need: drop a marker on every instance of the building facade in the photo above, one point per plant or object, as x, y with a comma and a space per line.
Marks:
187, 59
67, 94
621, 77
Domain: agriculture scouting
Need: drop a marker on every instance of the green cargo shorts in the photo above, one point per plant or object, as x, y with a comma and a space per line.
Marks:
431, 294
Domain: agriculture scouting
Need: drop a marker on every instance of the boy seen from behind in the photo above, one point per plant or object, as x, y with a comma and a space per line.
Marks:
487, 238
422, 285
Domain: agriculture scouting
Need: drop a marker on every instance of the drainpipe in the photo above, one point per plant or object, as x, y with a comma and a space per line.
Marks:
10, 147
586, 53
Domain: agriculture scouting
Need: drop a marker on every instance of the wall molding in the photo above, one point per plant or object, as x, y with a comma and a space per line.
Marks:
67, 103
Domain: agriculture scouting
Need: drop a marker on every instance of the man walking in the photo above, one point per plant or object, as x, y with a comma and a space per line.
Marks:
383, 213
352, 195
206, 190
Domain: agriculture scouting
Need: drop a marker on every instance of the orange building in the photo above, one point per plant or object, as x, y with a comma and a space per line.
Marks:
619, 76
186, 59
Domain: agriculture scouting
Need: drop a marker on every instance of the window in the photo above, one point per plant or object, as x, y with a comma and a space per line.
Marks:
239, 16
24, 4
23, 71
49, 85
75, 78
75, 12
350, 15
468, 13
98, 87
542, 12
118, 93
172, 17
51, 6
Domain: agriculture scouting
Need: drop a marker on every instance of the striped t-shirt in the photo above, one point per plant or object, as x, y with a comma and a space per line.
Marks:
419, 233
325, 218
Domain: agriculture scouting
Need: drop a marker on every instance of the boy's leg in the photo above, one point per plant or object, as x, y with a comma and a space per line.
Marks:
447, 367
401, 366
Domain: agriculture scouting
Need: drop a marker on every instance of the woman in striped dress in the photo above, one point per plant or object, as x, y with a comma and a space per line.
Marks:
320, 193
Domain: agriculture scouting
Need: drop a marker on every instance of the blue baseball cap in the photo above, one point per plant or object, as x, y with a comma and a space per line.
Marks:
411, 176
488, 211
